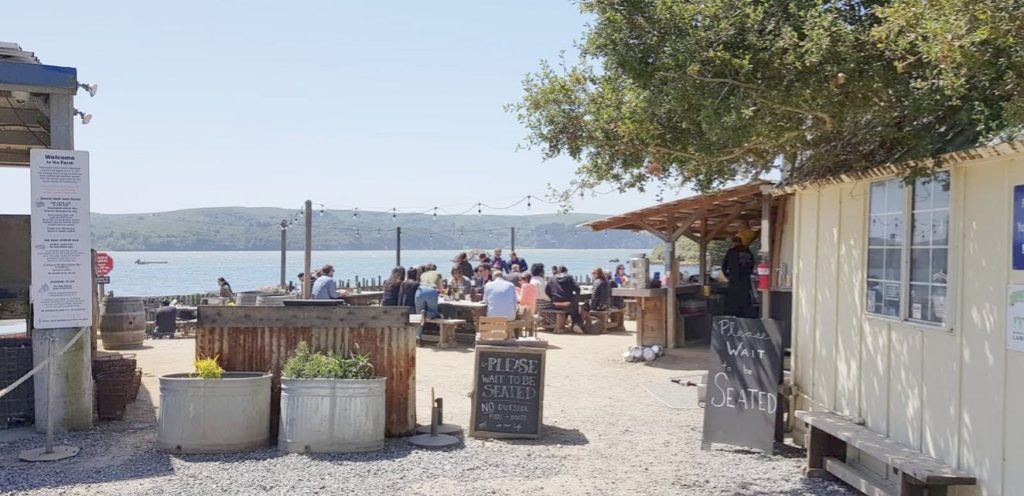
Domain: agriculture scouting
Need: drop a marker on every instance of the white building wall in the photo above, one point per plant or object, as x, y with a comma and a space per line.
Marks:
955, 394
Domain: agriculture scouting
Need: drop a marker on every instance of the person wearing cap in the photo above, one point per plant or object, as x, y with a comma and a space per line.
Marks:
325, 287
738, 266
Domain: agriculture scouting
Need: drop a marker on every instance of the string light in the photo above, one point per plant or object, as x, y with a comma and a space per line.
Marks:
355, 213
435, 213
394, 215
379, 233
529, 202
479, 209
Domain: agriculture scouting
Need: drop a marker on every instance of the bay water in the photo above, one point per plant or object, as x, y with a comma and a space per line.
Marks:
187, 272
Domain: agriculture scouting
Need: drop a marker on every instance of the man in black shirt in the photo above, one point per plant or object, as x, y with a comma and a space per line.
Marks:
166, 320
738, 266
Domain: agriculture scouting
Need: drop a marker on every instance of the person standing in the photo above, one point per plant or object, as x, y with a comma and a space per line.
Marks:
738, 266
166, 320
225, 288
497, 262
325, 287
431, 283
514, 260
500, 297
620, 279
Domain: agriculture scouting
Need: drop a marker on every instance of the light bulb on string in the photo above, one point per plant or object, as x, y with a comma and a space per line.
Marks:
394, 215
321, 212
435, 213
479, 209
528, 202
355, 213
357, 233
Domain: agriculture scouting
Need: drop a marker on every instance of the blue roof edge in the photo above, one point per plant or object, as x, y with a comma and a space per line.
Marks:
39, 78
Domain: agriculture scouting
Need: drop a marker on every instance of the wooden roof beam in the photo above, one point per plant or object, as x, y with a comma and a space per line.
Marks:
724, 224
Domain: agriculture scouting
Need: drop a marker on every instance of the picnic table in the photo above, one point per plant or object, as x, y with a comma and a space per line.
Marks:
463, 310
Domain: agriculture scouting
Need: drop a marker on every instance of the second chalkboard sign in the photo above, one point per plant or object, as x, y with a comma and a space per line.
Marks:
508, 392
743, 383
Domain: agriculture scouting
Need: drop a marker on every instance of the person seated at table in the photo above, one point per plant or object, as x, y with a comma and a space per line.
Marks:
392, 287
459, 285
325, 287
601, 297
482, 277
512, 275
527, 293
483, 259
462, 263
620, 277
540, 282
500, 297
564, 293
166, 320
407, 291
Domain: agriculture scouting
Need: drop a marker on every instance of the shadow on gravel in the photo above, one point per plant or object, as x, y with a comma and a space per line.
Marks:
554, 436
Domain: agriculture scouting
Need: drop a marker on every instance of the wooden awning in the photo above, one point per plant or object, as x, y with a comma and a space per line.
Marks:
725, 212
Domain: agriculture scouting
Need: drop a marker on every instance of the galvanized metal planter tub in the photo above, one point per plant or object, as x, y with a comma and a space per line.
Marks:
224, 415
262, 338
332, 415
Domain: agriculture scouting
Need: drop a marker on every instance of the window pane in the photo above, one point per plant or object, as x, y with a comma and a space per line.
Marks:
876, 263
874, 297
894, 195
919, 297
892, 264
891, 302
876, 231
938, 305
939, 272
923, 194
922, 234
940, 190
940, 227
920, 265
878, 198
894, 229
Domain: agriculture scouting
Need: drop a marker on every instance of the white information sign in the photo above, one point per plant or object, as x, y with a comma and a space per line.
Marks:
61, 242
1015, 318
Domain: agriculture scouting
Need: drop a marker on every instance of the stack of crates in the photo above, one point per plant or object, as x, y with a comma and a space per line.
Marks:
15, 362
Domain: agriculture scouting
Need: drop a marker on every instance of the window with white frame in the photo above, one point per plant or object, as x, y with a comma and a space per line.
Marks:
907, 273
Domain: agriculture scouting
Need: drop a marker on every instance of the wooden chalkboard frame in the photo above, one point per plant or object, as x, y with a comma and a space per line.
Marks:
511, 350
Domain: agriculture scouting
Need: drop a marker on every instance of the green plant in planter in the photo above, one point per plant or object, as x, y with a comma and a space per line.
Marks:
306, 364
208, 368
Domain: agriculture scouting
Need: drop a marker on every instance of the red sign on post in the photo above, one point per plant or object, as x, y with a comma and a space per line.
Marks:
104, 263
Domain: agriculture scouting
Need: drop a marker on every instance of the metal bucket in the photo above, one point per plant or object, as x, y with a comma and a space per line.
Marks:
122, 322
224, 415
273, 300
332, 415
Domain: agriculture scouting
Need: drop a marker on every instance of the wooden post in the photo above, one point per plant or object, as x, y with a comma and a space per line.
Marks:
513, 231
398, 246
307, 284
766, 242
704, 257
284, 252
672, 267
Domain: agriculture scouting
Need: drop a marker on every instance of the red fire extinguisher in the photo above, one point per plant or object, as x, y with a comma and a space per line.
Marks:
763, 273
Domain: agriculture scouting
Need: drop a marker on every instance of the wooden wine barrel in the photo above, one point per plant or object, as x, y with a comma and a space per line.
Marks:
273, 300
122, 322
247, 297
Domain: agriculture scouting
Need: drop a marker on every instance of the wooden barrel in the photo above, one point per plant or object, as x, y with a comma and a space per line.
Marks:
273, 300
122, 322
247, 297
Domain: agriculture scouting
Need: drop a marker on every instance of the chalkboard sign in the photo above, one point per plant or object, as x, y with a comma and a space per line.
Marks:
743, 383
508, 392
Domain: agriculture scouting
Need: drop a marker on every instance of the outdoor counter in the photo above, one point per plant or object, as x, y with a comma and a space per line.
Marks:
252, 338
650, 314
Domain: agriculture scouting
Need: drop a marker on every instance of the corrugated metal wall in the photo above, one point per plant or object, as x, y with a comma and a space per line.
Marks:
265, 343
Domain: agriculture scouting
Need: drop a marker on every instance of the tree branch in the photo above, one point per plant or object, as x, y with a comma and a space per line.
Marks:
823, 116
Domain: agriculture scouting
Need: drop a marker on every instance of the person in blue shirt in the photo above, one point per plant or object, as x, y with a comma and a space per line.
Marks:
497, 262
325, 287
513, 260
500, 296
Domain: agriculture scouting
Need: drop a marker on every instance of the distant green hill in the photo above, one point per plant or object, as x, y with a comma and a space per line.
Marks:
239, 228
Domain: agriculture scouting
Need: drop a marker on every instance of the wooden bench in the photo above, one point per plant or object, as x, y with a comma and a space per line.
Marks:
446, 328
612, 319
561, 319
914, 473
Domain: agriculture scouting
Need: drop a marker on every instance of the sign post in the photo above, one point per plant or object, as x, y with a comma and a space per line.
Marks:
508, 392
743, 383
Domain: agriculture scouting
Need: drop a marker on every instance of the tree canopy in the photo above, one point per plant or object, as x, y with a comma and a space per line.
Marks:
711, 91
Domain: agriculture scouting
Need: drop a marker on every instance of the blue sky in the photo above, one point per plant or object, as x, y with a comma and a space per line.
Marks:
353, 104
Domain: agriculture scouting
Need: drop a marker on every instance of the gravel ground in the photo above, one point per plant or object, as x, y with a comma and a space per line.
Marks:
604, 434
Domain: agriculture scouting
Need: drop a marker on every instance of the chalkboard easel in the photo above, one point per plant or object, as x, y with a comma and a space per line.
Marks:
508, 392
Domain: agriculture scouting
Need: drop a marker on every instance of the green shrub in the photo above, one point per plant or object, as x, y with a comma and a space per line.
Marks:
208, 368
305, 364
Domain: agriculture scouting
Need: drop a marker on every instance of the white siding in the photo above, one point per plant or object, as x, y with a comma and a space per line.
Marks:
956, 394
